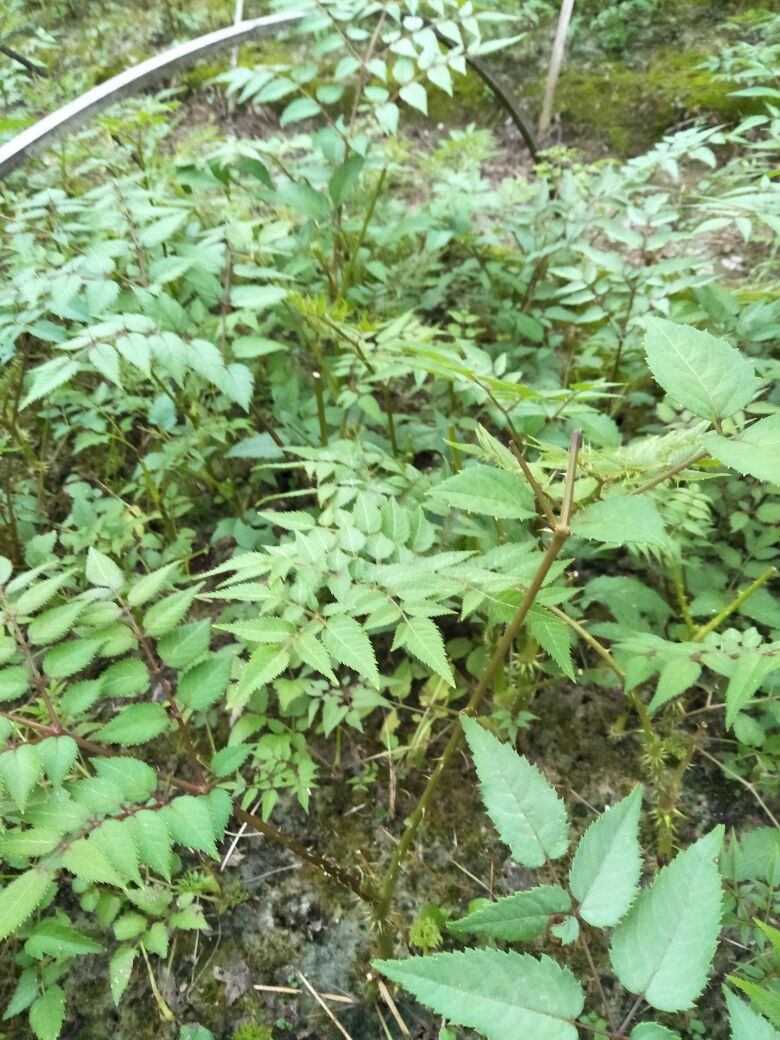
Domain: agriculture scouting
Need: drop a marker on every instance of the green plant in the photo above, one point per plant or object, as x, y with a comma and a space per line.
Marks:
663, 938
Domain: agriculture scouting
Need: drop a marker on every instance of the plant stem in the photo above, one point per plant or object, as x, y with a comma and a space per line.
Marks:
320, 408
40, 684
390, 421
157, 671
328, 866
682, 599
560, 535
350, 270
630, 1016
597, 979
735, 604
698, 457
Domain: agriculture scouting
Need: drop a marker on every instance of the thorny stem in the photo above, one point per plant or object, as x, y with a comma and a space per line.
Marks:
560, 535
348, 273
40, 684
735, 604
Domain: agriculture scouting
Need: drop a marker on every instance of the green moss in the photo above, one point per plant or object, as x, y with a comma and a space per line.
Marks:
253, 1031
629, 110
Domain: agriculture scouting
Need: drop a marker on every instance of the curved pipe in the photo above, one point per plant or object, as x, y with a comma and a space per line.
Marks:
15, 151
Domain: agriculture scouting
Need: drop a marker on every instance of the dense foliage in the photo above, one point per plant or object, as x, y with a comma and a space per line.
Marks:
320, 445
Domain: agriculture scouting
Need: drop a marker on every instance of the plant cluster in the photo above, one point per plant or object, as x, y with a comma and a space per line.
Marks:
314, 443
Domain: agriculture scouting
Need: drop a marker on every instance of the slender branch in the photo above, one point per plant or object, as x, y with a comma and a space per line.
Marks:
559, 538
328, 866
698, 457
159, 674
735, 604
40, 683
597, 980
630, 1016
745, 783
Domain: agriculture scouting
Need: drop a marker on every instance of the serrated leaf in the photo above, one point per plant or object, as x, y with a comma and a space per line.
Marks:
89, 863
765, 998
180, 647
191, 823
6, 569
311, 651
125, 678
25, 993
20, 770
604, 874
755, 452
515, 918
501, 995
555, 638
205, 683
52, 938
120, 969
745, 1023
39, 594
621, 520
676, 676
71, 657
700, 372
749, 673
664, 946
260, 630
156, 939
345, 178
53, 624
103, 572
153, 839
146, 588
21, 898
136, 724
347, 643
47, 1013
14, 682
135, 780
487, 491
528, 814
48, 377
58, 755
264, 664
118, 844
166, 614
422, 638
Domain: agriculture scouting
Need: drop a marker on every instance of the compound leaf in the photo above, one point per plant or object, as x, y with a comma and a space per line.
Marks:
664, 946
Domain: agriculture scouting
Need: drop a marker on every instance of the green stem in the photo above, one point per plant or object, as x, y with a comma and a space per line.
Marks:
348, 274
682, 599
735, 604
560, 535
320, 408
